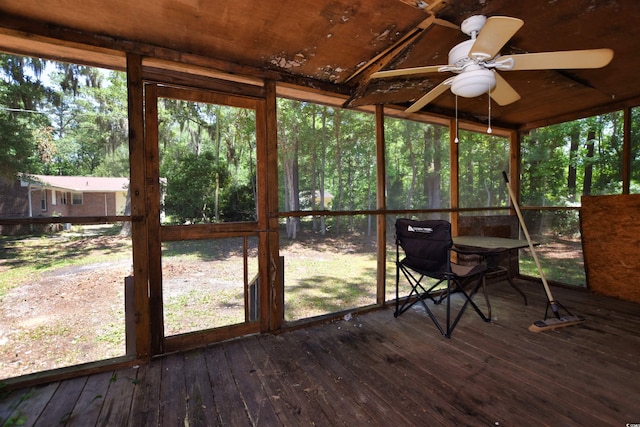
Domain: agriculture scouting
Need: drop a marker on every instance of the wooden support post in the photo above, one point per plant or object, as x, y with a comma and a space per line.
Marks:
129, 316
381, 206
272, 299
139, 240
152, 188
514, 162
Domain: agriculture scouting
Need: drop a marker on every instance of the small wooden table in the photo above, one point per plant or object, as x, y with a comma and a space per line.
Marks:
494, 247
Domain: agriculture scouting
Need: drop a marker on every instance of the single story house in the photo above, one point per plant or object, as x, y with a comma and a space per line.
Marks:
45, 195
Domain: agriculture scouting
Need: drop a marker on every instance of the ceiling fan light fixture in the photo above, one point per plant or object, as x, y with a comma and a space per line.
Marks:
473, 83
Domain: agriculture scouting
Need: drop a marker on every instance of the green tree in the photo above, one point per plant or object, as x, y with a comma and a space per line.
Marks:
211, 148
191, 185
417, 173
90, 121
25, 132
483, 157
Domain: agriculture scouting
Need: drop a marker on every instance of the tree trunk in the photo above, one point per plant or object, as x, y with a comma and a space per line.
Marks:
291, 183
432, 167
336, 129
314, 167
216, 207
323, 164
414, 166
125, 231
573, 156
588, 168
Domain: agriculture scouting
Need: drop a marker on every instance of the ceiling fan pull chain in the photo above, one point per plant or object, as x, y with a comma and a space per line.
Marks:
456, 138
489, 130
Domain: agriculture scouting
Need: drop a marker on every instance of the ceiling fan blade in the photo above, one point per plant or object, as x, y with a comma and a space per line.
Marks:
407, 71
430, 96
503, 93
570, 59
495, 33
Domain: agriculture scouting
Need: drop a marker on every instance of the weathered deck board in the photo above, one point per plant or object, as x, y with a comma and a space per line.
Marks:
364, 370
145, 406
201, 408
226, 399
377, 370
350, 384
89, 404
282, 383
173, 391
31, 404
257, 401
117, 401
60, 406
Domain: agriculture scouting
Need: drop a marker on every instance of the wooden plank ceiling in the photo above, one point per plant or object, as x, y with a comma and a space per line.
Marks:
335, 45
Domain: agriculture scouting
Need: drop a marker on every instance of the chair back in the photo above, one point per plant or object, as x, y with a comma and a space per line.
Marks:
426, 244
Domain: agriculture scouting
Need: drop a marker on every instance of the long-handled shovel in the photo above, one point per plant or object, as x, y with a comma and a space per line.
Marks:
552, 323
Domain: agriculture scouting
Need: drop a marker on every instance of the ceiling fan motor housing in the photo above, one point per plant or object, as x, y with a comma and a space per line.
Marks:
459, 54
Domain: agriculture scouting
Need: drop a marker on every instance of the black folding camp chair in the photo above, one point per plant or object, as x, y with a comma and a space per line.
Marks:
427, 247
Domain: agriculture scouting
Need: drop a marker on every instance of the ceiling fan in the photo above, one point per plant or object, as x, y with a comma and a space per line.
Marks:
475, 62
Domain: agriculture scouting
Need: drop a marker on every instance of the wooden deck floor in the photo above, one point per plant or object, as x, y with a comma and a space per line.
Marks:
376, 370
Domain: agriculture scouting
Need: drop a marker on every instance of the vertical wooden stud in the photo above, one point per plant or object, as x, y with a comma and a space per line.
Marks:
152, 187
272, 300
381, 206
138, 205
514, 163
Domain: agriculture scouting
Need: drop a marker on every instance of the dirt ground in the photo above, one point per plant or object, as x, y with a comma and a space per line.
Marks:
53, 320
71, 315
75, 314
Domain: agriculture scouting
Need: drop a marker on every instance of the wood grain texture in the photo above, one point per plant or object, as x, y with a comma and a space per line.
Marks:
377, 370
610, 228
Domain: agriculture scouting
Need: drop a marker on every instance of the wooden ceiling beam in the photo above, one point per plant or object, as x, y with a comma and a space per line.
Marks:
91, 46
581, 114
20, 43
382, 59
29, 38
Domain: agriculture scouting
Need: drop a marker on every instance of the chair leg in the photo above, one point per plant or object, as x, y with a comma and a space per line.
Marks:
395, 314
417, 293
469, 301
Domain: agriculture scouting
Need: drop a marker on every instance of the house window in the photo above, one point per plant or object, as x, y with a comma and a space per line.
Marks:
76, 198
63, 198
43, 200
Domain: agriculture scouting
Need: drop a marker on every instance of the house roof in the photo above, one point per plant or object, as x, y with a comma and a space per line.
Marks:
84, 184
335, 45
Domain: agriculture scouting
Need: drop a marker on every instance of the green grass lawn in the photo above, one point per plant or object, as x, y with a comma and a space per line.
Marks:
328, 282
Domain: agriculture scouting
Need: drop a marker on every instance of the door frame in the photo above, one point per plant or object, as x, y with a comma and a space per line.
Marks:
157, 233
